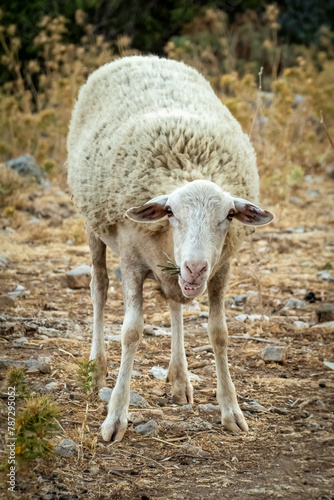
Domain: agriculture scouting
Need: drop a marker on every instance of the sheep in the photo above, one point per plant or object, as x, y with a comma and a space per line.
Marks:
159, 167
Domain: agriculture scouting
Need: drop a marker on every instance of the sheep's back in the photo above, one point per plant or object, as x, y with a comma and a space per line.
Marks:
143, 126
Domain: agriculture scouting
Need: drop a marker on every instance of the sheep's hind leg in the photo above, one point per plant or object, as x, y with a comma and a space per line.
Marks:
114, 426
182, 391
99, 289
232, 417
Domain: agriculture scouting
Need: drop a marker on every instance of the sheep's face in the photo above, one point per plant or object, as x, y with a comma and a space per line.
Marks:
200, 214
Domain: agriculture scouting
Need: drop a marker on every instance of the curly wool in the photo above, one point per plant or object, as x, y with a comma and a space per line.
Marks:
143, 126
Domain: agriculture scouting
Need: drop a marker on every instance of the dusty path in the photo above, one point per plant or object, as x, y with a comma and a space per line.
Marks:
288, 452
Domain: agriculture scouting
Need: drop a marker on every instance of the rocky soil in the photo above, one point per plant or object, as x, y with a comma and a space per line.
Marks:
281, 360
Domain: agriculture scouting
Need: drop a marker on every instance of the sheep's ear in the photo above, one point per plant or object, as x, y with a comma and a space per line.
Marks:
153, 211
250, 214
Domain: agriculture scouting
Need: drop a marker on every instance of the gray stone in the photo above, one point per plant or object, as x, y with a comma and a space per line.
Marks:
313, 192
192, 307
208, 407
294, 200
187, 407
21, 340
301, 325
148, 429
135, 398
240, 299
274, 353
293, 303
138, 400
79, 277
252, 317
325, 275
118, 274
194, 450
66, 448
27, 363
159, 372
55, 386
325, 313
193, 377
26, 166
19, 291
255, 406
205, 348
329, 364
105, 394
196, 426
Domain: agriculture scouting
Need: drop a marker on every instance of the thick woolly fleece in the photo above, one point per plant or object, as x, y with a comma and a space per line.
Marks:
143, 126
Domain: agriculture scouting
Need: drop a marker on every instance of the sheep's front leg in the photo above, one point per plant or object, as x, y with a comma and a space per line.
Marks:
232, 417
182, 391
99, 290
114, 426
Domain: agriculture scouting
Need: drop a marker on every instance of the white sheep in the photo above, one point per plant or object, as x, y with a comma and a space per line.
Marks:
150, 133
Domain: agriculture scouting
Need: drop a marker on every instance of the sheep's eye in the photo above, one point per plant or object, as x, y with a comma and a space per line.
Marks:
230, 215
169, 212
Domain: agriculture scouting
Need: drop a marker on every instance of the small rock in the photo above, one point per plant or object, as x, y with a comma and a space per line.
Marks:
66, 448
105, 394
138, 400
193, 377
208, 407
79, 277
279, 411
294, 200
55, 386
325, 313
32, 369
148, 429
207, 348
159, 372
196, 426
293, 303
188, 407
252, 317
114, 338
194, 450
18, 292
135, 398
301, 325
137, 374
325, 276
255, 406
192, 307
155, 331
274, 353
313, 192
26, 166
118, 274
240, 299
21, 340
329, 364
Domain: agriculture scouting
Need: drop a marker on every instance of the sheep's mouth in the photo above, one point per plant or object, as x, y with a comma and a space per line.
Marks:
191, 289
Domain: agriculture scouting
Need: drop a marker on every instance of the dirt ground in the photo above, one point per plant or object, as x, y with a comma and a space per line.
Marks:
288, 451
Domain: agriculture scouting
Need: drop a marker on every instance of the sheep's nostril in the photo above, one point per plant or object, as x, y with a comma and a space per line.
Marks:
196, 268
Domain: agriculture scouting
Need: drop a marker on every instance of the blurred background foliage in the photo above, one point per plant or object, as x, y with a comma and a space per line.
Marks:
151, 24
48, 49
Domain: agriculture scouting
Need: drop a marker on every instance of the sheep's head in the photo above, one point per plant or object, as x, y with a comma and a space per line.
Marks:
200, 214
